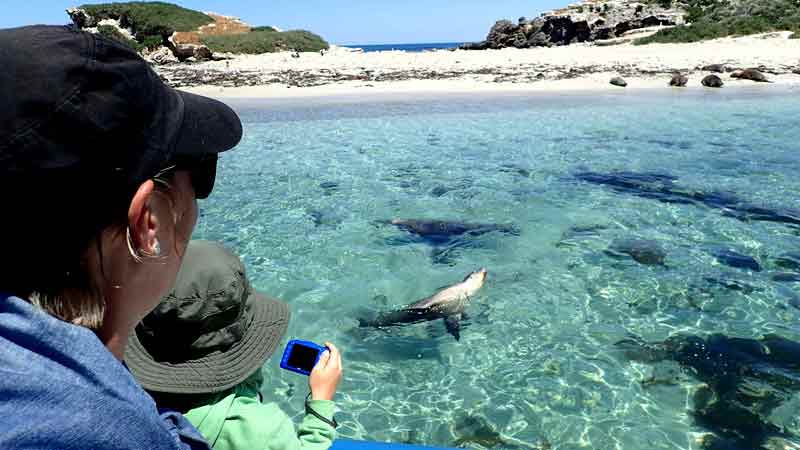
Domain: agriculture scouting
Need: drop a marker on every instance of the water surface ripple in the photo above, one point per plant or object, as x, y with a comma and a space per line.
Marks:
537, 365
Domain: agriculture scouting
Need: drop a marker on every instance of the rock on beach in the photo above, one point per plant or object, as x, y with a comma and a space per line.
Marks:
618, 81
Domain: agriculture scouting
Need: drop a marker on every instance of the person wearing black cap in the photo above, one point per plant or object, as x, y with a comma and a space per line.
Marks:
201, 351
101, 164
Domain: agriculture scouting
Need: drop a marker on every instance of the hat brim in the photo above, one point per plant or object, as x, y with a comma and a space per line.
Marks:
217, 371
209, 126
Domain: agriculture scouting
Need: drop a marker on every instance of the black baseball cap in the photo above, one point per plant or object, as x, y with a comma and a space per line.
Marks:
77, 102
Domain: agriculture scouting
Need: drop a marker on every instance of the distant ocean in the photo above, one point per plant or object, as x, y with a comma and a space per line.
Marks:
406, 47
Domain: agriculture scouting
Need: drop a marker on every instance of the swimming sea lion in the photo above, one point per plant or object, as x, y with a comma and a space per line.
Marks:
736, 260
447, 304
442, 230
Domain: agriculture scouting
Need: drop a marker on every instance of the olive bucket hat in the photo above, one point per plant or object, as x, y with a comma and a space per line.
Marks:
211, 332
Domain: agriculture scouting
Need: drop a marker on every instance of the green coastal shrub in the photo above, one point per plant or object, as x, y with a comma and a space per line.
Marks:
150, 18
265, 41
711, 19
264, 28
113, 33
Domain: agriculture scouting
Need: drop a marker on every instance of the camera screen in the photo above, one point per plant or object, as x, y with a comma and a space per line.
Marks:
303, 357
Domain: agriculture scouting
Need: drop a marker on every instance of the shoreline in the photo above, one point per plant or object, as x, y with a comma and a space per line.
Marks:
588, 85
578, 67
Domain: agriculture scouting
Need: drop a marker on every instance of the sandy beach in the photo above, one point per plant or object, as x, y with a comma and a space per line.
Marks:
578, 67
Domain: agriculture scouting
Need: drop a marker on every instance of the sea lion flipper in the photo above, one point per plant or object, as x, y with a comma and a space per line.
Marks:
453, 324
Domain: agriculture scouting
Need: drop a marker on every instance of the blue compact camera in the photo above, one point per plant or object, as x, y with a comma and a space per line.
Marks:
301, 356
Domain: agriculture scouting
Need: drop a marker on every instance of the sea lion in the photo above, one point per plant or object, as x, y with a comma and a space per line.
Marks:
447, 304
750, 74
719, 68
712, 81
662, 187
679, 80
439, 231
736, 260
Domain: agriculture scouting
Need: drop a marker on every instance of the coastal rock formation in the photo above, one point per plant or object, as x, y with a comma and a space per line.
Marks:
590, 20
160, 56
618, 81
712, 81
750, 74
679, 80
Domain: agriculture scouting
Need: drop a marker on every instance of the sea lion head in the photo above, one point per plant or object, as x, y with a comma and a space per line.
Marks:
478, 277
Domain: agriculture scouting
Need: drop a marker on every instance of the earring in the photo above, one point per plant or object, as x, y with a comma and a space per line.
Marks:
156, 248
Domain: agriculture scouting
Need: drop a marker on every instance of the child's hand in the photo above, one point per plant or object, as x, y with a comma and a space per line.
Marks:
326, 374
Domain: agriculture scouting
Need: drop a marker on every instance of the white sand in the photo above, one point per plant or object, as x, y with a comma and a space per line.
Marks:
513, 70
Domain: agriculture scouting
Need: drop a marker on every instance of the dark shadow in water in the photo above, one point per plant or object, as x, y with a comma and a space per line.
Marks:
747, 379
662, 187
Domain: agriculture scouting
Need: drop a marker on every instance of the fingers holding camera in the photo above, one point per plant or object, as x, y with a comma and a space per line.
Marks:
326, 374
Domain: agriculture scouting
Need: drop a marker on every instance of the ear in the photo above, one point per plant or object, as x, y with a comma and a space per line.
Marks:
142, 220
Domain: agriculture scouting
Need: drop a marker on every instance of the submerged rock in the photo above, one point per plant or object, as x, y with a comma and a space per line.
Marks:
679, 80
618, 81
643, 251
790, 261
712, 81
745, 381
476, 430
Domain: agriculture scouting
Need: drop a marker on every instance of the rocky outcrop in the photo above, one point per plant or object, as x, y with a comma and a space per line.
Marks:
180, 50
591, 20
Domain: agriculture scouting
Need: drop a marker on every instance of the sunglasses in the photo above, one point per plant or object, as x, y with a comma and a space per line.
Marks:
202, 173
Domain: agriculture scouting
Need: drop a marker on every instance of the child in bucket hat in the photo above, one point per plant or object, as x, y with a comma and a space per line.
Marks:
201, 351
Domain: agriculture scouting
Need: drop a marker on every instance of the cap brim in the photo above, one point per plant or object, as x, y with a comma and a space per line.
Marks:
209, 126
220, 370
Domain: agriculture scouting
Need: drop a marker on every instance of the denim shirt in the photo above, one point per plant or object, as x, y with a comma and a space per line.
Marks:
61, 389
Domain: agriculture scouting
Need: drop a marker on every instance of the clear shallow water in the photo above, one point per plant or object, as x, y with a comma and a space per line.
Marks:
536, 362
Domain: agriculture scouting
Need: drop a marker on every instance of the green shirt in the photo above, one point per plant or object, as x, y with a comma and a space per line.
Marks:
237, 420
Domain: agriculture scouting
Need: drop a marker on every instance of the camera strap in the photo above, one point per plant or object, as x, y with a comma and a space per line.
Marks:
309, 410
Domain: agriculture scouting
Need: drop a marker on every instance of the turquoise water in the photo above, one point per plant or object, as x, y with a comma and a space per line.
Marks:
301, 197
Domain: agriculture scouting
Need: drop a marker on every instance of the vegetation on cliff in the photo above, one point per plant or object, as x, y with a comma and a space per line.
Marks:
265, 41
711, 19
148, 19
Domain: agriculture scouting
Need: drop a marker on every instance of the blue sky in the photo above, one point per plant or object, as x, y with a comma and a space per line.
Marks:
339, 21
